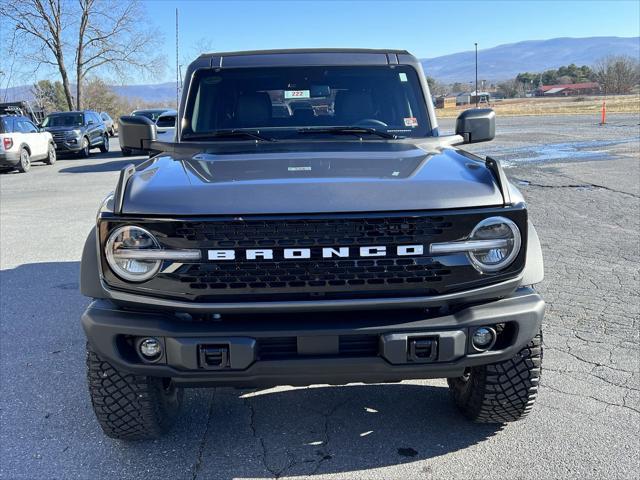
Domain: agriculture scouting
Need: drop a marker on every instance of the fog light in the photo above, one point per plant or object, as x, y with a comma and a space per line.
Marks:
150, 348
483, 338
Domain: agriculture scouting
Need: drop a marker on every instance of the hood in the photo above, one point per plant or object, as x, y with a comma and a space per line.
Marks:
306, 177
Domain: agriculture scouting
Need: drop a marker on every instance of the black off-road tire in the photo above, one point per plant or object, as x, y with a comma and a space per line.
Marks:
500, 392
128, 406
104, 146
51, 155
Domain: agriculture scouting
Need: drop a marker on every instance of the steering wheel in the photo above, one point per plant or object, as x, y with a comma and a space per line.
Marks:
365, 122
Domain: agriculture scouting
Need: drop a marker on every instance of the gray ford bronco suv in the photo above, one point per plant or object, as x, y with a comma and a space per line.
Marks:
342, 238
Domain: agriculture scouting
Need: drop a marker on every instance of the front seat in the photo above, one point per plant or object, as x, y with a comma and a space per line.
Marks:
353, 106
253, 110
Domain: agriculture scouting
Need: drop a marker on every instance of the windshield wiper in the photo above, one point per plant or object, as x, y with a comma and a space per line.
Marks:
255, 134
355, 130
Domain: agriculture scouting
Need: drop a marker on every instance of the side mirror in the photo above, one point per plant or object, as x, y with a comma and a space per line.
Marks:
136, 132
476, 125
90, 122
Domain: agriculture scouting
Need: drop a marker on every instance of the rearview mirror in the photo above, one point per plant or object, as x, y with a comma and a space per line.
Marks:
476, 125
136, 132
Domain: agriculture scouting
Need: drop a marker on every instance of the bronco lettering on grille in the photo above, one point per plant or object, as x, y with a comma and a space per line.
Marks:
308, 253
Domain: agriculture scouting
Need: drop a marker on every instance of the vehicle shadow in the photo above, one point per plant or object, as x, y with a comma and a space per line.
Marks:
222, 433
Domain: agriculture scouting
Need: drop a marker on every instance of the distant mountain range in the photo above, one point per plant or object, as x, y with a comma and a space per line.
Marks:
497, 63
506, 61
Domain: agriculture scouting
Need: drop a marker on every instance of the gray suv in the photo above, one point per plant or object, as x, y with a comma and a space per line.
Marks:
344, 239
77, 132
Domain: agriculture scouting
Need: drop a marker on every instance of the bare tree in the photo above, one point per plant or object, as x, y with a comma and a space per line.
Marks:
105, 36
111, 38
42, 24
617, 74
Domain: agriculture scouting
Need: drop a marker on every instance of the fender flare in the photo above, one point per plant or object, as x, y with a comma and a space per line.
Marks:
90, 284
534, 264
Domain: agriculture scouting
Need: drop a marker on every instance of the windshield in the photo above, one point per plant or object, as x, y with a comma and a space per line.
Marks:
289, 101
150, 114
166, 121
64, 120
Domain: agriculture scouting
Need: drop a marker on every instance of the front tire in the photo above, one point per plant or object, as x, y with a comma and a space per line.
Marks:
128, 406
86, 147
51, 155
500, 392
104, 148
24, 165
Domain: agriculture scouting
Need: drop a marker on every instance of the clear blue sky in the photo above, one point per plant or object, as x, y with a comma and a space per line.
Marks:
425, 28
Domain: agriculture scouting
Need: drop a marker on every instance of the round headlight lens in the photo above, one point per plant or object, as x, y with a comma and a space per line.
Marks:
131, 238
494, 259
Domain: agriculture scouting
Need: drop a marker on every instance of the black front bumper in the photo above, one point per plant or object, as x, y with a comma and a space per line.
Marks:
307, 348
66, 147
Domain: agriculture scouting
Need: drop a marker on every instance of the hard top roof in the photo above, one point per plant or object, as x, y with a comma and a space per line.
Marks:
304, 57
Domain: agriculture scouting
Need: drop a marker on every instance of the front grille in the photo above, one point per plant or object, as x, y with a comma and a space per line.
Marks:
58, 137
325, 274
261, 279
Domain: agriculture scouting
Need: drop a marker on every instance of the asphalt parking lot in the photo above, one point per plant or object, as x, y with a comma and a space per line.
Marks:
582, 184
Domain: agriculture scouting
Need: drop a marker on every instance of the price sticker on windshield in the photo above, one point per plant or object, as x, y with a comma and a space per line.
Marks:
290, 94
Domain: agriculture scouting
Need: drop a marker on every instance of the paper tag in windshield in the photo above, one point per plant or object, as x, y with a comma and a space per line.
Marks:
297, 94
410, 122
403, 77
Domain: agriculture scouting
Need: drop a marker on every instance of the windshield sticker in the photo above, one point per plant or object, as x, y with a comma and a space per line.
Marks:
297, 94
403, 77
411, 122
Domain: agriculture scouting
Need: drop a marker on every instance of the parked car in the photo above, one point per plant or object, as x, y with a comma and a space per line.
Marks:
166, 124
357, 244
110, 125
77, 132
150, 113
21, 143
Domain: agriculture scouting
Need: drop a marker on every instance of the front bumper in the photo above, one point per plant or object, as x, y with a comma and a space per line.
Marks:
311, 343
65, 146
9, 159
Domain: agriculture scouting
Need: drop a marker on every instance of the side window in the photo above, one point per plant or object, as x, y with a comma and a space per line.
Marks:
7, 125
96, 118
104, 117
25, 126
29, 127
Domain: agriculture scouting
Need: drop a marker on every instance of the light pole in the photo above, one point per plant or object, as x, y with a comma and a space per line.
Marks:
476, 44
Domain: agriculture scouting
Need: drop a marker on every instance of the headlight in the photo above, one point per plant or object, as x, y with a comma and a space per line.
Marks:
127, 243
493, 244
73, 133
506, 239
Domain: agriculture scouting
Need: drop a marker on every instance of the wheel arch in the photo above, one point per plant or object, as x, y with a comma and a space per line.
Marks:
534, 266
90, 284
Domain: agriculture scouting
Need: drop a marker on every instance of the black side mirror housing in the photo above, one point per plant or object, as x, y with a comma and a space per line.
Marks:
476, 125
136, 132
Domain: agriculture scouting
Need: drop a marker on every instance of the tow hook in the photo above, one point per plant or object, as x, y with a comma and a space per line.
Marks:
422, 350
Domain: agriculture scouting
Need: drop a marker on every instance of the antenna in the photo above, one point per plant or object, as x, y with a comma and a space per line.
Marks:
178, 116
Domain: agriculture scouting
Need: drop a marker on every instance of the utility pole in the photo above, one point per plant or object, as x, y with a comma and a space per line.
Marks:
476, 44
